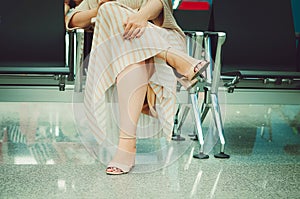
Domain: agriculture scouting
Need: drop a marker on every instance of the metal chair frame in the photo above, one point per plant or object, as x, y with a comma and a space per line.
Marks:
210, 88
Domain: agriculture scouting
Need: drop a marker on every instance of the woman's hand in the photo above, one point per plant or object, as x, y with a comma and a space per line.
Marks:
135, 26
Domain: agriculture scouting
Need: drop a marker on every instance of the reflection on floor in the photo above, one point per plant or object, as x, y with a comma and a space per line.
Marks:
41, 156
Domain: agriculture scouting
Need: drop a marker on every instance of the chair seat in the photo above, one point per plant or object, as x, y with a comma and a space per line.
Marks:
35, 70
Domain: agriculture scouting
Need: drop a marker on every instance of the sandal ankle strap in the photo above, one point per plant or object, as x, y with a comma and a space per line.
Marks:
127, 137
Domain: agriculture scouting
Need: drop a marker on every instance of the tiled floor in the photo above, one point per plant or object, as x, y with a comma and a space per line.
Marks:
41, 156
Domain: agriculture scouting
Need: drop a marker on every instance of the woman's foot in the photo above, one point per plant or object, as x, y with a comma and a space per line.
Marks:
185, 65
191, 68
122, 163
196, 75
115, 168
124, 159
198, 70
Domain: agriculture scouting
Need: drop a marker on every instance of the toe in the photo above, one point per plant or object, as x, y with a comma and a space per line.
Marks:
114, 170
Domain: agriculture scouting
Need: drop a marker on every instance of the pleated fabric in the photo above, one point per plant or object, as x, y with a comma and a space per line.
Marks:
110, 54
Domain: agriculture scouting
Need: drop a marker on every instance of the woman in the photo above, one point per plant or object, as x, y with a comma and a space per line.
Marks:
135, 43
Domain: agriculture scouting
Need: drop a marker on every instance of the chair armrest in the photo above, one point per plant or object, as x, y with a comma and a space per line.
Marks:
93, 20
214, 33
263, 74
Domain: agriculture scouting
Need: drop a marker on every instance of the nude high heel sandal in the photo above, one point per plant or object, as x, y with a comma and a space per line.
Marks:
123, 162
194, 74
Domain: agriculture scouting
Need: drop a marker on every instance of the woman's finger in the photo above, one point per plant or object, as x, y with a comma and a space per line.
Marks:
128, 35
135, 33
141, 32
127, 27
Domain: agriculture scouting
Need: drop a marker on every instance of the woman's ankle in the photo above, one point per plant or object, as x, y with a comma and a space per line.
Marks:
127, 145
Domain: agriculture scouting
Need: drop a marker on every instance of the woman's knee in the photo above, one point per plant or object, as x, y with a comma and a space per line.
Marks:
107, 6
134, 71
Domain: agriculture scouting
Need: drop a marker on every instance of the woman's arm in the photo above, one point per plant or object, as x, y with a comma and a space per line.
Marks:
83, 19
152, 9
136, 23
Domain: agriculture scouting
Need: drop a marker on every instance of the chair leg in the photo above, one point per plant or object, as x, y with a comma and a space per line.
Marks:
175, 127
197, 114
80, 62
218, 122
176, 136
203, 110
62, 82
179, 123
71, 55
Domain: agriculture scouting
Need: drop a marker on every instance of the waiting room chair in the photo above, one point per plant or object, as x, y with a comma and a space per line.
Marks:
200, 40
260, 49
32, 42
210, 88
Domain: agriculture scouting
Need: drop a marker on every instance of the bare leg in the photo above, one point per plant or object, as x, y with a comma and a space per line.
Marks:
132, 87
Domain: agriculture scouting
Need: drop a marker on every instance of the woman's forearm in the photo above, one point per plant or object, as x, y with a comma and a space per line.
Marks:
83, 19
152, 9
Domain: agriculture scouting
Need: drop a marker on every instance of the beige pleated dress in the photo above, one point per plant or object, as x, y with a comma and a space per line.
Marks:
110, 54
